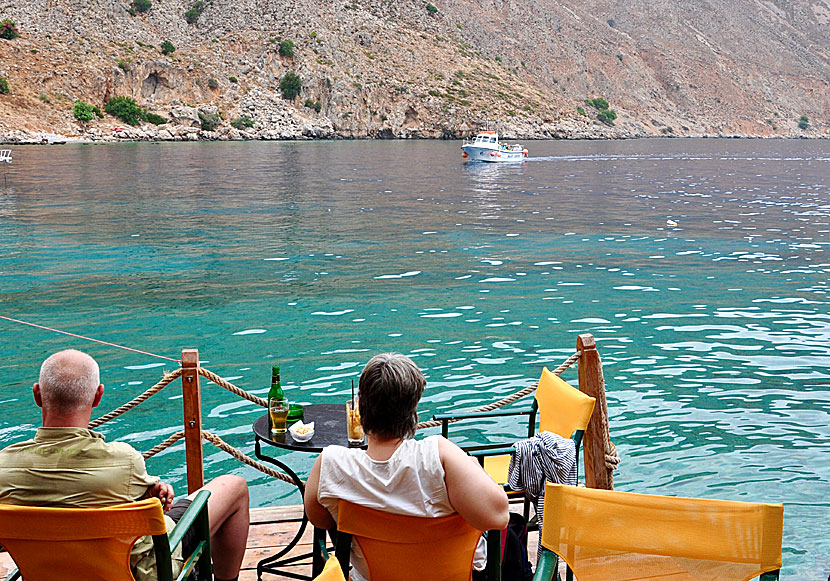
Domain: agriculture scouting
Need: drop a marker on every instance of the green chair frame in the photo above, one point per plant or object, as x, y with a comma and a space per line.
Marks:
196, 516
480, 452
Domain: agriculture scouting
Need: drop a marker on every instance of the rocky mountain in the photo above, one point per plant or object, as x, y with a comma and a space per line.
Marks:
407, 68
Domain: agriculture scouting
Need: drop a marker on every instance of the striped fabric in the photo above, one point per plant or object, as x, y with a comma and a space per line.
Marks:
546, 457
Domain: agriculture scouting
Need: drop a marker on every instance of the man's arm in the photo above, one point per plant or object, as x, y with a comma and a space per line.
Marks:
473, 494
317, 513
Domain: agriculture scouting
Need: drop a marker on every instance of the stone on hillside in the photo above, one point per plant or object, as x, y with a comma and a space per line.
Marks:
184, 115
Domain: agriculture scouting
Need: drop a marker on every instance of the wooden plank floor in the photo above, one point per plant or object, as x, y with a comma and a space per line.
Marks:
271, 529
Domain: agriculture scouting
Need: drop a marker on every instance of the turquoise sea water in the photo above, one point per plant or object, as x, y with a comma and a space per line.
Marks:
714, 333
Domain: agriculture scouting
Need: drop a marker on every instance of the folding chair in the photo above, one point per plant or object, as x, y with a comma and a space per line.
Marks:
562, 409
605, 534
406, 548
67, 544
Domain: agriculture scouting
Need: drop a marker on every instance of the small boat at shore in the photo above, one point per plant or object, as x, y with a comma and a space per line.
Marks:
5, 155
487, 147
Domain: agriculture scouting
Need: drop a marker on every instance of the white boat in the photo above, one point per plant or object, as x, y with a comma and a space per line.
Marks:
5, 155
487, 147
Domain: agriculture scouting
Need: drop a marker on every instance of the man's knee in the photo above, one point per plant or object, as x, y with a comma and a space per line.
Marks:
229, 486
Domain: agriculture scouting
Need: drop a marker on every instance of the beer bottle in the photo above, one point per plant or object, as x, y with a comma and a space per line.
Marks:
276, 388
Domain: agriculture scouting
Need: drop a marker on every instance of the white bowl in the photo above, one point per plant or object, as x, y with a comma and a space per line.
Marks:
301, 437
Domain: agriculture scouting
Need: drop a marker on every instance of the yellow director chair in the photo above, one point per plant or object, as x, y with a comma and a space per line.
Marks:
562, 409
94, 544
605, 534
406, 548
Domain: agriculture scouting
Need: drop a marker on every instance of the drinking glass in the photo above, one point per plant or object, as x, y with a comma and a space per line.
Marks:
353, 426
278, 409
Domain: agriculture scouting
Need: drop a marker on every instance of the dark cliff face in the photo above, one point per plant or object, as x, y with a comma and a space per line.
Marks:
412, 69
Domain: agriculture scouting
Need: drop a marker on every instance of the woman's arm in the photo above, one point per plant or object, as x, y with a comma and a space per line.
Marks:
317, 513
473, 494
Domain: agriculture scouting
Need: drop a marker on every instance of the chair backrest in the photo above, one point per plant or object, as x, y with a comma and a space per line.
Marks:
410, 548
605, 534
563, 409
67, 544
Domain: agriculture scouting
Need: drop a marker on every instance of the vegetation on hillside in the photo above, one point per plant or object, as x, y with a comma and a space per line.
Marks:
85, 112
126, 109
141, 6
8, 29
604, 114
290, 85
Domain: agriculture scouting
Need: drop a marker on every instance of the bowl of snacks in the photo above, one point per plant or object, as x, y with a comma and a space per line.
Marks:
301, 432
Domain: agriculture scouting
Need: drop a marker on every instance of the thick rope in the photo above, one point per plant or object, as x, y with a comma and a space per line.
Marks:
164, 445
224, 446
510, 398
206, 373
612, 457
168, 377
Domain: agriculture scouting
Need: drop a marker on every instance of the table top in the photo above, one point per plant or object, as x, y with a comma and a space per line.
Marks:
329, 428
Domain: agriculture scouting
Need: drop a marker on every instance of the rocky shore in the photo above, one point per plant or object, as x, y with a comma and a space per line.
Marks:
409, 69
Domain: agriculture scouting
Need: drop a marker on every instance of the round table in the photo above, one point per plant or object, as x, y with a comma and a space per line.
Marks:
329, 429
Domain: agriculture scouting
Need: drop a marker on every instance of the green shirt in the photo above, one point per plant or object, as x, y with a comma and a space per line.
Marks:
76, 468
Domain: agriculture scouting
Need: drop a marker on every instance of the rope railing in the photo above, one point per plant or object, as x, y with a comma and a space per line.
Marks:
612, 458
165, 381
223, 383
225, 447
510, 398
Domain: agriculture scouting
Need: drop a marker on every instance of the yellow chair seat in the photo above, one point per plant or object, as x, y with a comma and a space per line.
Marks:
605, 534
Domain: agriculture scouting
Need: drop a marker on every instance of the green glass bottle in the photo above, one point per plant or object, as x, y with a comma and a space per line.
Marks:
276, 388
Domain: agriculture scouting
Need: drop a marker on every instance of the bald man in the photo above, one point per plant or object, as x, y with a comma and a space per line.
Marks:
68, 465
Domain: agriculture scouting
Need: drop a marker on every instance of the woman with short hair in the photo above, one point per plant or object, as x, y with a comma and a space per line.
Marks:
431, 477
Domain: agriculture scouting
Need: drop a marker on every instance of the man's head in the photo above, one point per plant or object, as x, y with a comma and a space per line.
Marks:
390, 387
69, 382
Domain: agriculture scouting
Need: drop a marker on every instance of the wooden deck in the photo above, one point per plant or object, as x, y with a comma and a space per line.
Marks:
271, 529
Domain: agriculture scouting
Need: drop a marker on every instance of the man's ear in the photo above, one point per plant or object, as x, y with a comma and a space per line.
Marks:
36, 394
98, 395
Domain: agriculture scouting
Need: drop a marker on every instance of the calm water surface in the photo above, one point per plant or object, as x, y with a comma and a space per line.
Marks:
714, 333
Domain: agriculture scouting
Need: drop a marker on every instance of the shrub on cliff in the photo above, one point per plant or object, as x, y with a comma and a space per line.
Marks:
154, 118
192, 15
242, 123
209, 121
213, 84
607, 116
8, 29
142, 5
85, 112
312, 104
432, 10
126, 109
291, 85
4, 86
803, 122
286, 48
167, 47
599, 103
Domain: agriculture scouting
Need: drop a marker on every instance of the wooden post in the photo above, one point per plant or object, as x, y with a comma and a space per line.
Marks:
592, 382
192, 407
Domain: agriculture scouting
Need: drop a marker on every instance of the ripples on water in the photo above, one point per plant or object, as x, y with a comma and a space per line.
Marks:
700, 266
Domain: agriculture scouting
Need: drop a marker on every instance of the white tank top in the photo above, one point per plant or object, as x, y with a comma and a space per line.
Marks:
411, 482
